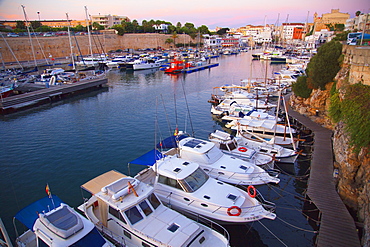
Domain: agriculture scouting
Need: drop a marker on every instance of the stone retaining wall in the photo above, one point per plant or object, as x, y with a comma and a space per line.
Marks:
58, 46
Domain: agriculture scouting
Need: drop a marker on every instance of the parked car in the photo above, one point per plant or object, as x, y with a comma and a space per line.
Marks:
48, 34
12, 35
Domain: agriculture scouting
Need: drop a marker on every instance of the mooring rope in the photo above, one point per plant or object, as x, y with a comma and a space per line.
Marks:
272, 233
296, 227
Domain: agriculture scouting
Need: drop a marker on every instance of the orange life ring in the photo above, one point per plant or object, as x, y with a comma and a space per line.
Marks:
242, 149
239, 211
254, 191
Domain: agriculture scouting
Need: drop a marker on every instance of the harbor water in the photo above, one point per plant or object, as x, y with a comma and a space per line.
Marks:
67, 143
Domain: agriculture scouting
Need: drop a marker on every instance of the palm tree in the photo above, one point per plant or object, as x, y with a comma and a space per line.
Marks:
174, 37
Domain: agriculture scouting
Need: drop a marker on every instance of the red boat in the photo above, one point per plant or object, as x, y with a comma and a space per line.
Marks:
5, 91
177, 66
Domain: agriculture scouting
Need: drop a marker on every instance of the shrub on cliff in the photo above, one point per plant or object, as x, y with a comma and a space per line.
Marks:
335, 105
324, 66
300, 87
353, 110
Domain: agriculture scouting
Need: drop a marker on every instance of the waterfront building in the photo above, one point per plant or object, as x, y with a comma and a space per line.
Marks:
290, 31
332, 18
212, 41
108, 21
359, 23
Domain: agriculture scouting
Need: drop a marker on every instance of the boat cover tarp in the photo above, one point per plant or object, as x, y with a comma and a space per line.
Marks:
171, 142
149, 158
94, 185
29, 214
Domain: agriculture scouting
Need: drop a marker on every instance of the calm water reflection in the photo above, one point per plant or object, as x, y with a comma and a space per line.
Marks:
69, 142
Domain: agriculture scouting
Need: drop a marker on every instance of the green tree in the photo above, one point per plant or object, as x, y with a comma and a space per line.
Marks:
119, 28
35, 24
358, 13
203, 30
97, 26
174, 37
324, 66
301, 88
223, 31
341, 36
20, 25
79, 28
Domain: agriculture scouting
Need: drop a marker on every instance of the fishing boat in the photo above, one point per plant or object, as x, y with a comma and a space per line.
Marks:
177, 66
128, 210
51, 222
184, 186
241, 147
219, 165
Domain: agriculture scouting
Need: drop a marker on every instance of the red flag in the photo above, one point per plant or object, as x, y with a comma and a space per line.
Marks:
47, 189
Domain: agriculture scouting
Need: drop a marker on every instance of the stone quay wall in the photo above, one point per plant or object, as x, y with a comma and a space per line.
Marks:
59, 46
357, 58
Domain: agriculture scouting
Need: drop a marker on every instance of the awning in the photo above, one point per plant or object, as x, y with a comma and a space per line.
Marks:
30, 214
149, 158
94, 185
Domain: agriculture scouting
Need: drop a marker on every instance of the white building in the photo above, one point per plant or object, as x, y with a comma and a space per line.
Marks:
108, 20
212, 41
288, 30
162, 28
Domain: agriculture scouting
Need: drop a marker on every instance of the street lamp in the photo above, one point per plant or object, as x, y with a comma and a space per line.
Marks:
38, 13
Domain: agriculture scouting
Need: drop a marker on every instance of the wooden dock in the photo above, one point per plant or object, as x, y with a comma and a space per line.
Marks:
337, 227
197, 68
47, 95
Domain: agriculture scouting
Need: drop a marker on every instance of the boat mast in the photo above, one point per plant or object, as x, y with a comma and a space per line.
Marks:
88, 31
70, 42
29, 35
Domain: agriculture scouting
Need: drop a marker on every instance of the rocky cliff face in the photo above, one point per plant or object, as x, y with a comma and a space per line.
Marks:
353, 179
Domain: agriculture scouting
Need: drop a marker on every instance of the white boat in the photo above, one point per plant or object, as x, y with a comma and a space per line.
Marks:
257, 104
92, 61
144, 63
128, 210
251, 115
221, 166
184, 186
53, 223
114, 63
230, 144
268, 127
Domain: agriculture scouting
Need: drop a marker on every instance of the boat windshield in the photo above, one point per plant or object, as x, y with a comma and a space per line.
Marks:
228, 146
93, 238
195, 180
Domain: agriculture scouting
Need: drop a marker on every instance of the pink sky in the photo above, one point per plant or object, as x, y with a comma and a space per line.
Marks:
212, 13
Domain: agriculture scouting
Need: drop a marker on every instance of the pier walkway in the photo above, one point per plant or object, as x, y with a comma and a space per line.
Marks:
53, 93
337, 227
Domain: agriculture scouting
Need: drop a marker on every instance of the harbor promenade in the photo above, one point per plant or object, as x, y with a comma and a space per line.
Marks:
336, 227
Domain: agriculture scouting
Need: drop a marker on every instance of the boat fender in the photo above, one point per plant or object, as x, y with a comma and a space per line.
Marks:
238, 211
243, 149
52, 80
252, 193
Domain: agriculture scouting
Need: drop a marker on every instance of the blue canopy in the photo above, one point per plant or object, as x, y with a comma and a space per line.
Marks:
30, 214
149, 158
171, 142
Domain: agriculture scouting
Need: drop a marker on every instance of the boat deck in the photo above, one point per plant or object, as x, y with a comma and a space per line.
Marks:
337, 227
197, 68
53, 93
